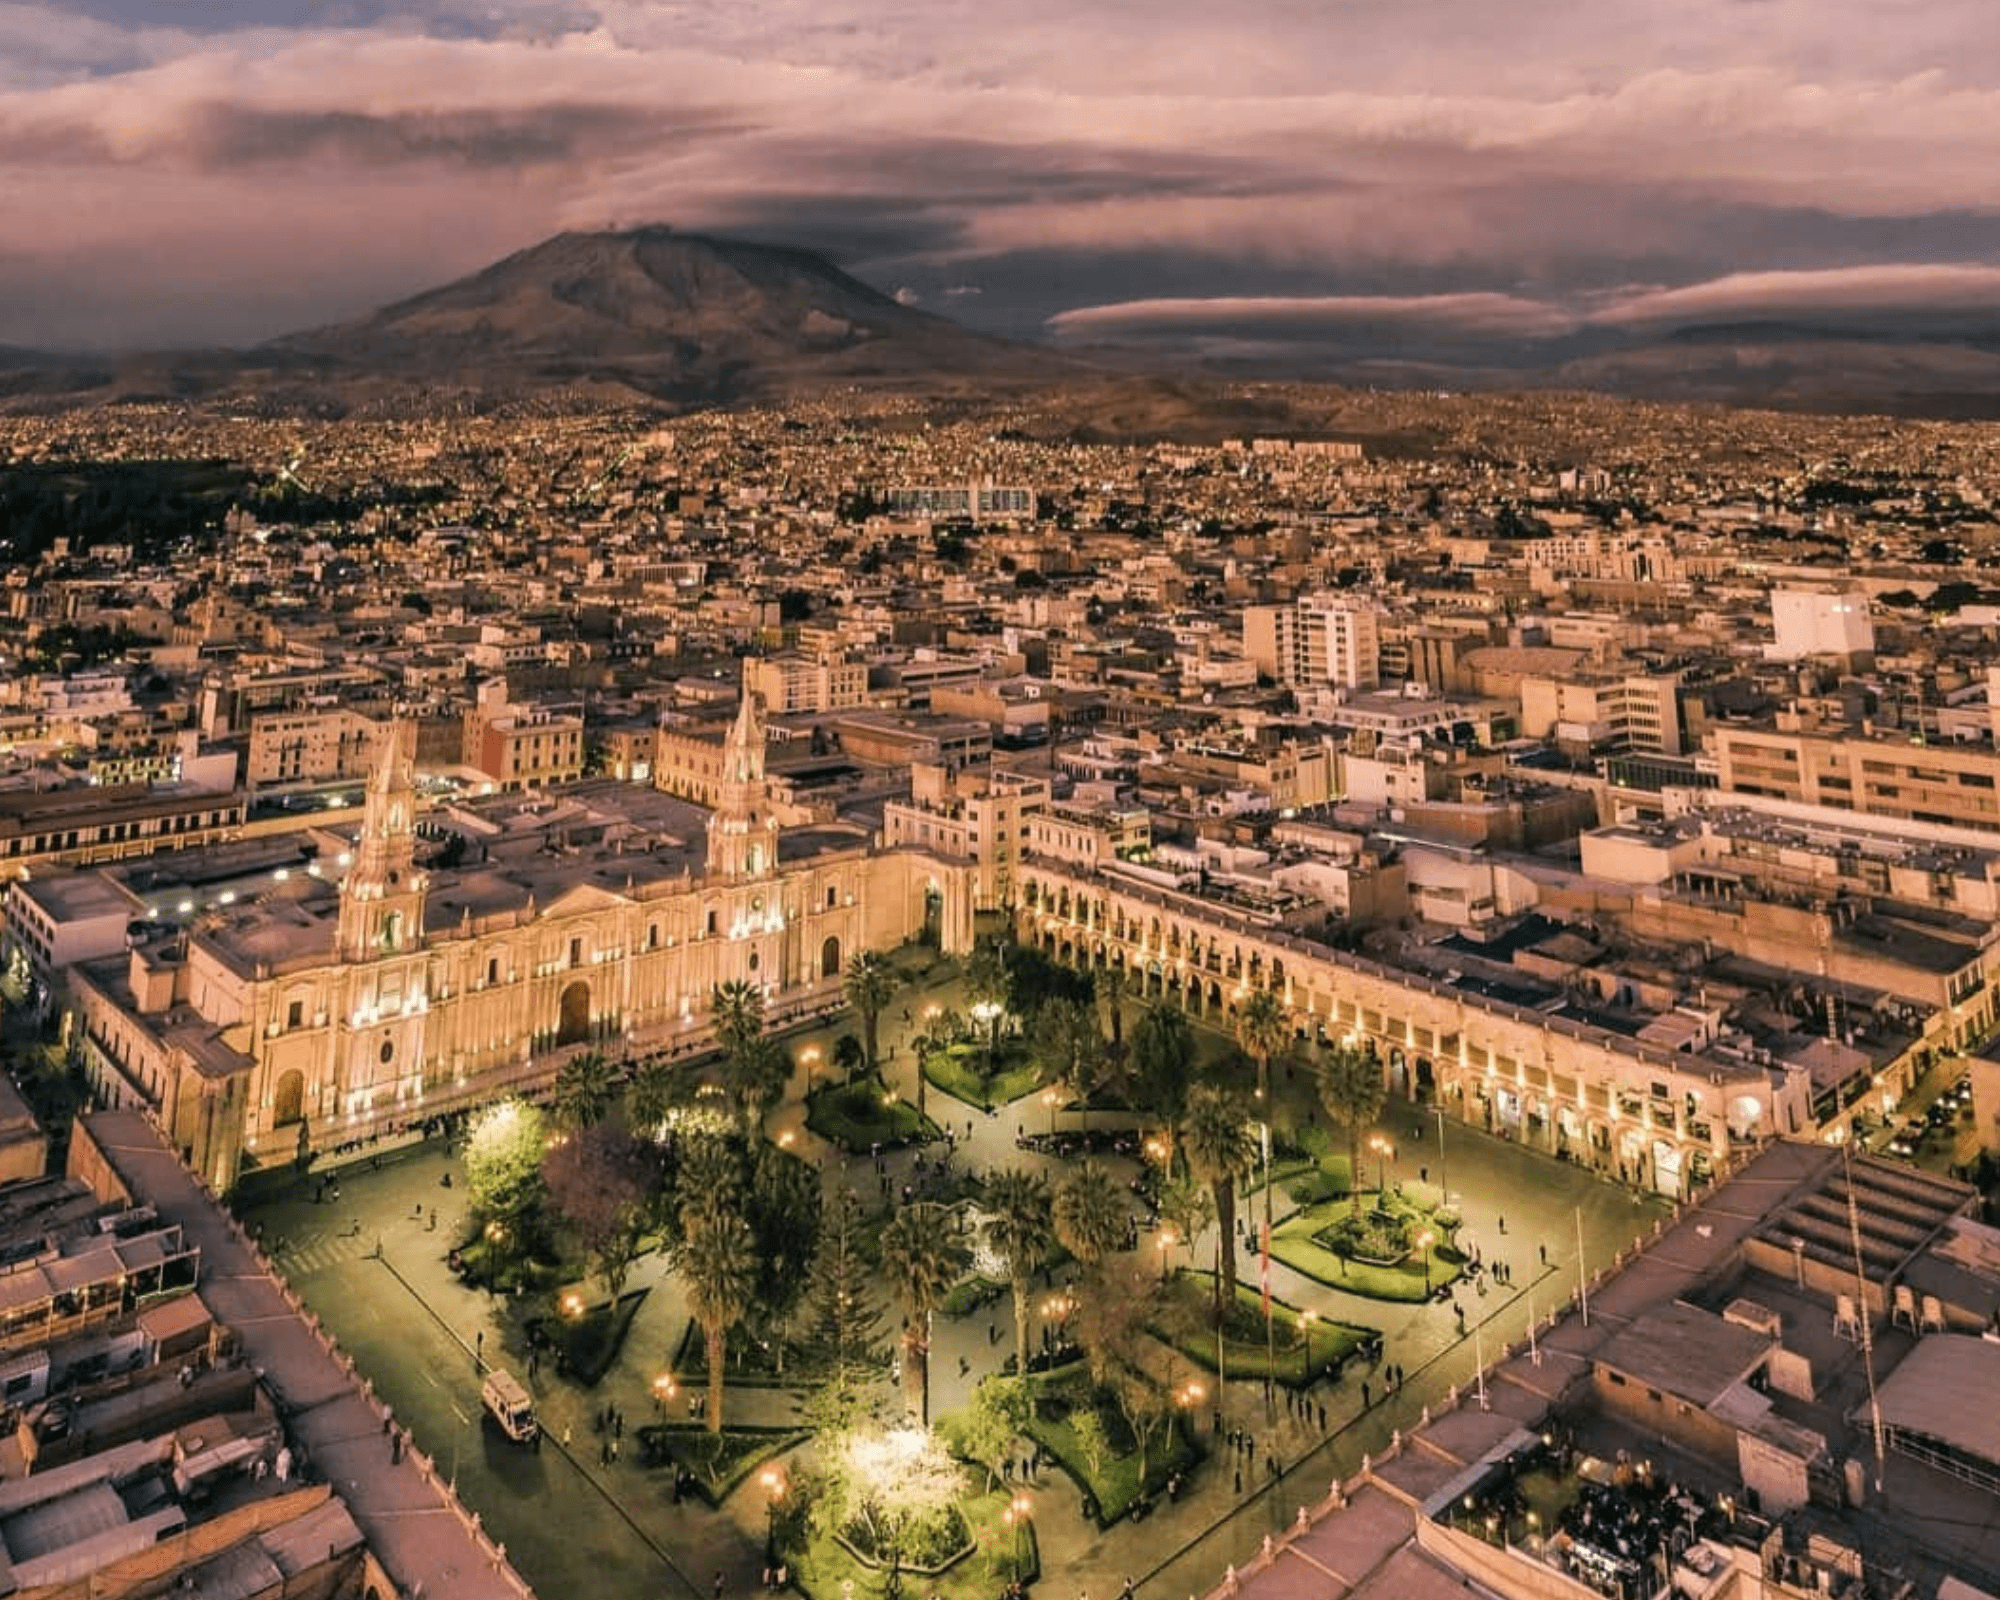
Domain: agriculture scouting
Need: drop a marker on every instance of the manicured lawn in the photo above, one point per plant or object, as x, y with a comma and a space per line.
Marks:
860, 1115
1002, 1551
1184, 1320
972, 1294
957, 1072
747, 1362
1116, 1484
717, 1462
1293, 1242
586, 1346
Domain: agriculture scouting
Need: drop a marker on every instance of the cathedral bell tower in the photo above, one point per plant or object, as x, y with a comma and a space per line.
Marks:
743, 832
382, 899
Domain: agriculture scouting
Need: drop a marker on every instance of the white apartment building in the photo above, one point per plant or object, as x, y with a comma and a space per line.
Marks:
1321, 638
1821, 622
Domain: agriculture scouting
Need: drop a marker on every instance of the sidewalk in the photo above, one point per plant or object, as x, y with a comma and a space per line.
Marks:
422, 1538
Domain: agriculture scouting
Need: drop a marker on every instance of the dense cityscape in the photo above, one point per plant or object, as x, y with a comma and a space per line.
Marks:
999, 800
897, 995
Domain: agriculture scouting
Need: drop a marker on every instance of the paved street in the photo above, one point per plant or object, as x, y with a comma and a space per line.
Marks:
567, 1521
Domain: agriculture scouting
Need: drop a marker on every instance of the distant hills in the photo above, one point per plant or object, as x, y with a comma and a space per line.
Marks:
682, 320
641, 314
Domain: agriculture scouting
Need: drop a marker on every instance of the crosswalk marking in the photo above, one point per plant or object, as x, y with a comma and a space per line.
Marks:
316, 1252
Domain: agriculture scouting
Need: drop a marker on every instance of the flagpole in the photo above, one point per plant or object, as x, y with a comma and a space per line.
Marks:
1582, 1285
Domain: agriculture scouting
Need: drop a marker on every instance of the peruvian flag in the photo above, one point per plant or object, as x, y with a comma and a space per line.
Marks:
1264, 1235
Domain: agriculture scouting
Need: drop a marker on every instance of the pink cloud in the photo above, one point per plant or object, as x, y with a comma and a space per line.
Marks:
1492, 315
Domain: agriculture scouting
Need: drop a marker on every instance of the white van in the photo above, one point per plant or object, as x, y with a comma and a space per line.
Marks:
511, 1406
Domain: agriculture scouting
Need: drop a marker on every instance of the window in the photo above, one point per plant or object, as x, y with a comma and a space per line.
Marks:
295, 1014
832, 898
652, 936
576, 952
492, 969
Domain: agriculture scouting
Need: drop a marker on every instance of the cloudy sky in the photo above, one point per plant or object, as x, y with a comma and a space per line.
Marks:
1485, 170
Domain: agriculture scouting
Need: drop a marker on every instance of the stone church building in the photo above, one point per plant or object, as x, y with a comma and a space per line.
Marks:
360, 1006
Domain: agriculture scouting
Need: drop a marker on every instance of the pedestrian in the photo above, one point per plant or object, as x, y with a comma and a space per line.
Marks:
1367, 1399
1239, 1480
1545, 1255
1503, 1224
479, 1342
614, 1452
1322, 1416
718, 1583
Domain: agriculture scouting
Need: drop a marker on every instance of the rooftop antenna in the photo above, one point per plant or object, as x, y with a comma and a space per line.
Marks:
1867, 1322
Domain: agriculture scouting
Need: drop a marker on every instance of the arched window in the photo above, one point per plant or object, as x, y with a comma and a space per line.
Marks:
829, 958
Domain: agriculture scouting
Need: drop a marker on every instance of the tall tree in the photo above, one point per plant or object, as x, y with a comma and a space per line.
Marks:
1351, 1088
988, 982
1221, 1151
654, 1092
1089, 1212
782, 1202
1110, 984
736, 1009
871, 982
758, 1073
922, 1256
600, 1181
1070, 1048
1263, 1029
1018, 1228
1187, 1206
503, 1158
717, 1260
1163, 1055
586, 1088
843, 1309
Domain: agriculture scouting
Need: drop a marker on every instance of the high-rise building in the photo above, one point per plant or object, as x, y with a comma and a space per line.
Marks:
1321, 638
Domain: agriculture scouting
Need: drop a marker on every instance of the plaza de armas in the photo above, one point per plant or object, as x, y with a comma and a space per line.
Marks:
989, 1274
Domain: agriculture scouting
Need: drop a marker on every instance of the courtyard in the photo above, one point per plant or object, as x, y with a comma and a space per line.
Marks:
370, 1250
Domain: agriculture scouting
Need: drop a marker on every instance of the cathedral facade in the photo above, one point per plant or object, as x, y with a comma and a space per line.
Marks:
405, 994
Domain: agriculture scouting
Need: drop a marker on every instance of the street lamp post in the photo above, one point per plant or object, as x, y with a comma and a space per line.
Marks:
1444, 1177
1016, 1517
663, 1391
1050, 1099
1383, 1148
1424, 1251
1307, 1318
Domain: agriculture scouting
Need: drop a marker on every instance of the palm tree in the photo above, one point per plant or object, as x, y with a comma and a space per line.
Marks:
988, 982
655, 1091
1163, 1054
586, 1088
1352, 1091
1088, 1210
736, 1009
758, 1073
1263, 1029
718, 1262
1110, 984
871, 982
1019, 1227
1221, 1152
922, 1256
